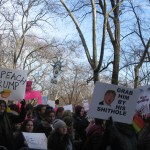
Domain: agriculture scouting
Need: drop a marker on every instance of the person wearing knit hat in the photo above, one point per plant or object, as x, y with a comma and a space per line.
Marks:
58, 123
59, 138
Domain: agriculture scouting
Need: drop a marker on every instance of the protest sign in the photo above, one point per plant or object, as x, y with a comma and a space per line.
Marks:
36, 140
44, 99
51, 103
143, 103
12, 84
68, 107
86, 104
28, 86
113, 101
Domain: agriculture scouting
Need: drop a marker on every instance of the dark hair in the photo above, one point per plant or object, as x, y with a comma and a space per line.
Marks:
60, 109
98, 121
68, 120
78, 109
49, 108
23, 126
14, 107
39, 107
111, 91
49, 111
2, 101
29, 106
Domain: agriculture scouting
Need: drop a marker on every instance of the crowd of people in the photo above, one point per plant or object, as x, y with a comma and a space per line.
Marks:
66, 130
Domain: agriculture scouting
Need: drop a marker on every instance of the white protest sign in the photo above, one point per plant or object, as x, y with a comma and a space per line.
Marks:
44, 99
68, 107
36, 140
51, 103
12, 84
113, 101
86, 105
143, 103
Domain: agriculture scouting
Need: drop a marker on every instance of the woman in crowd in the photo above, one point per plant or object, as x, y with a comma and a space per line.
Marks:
59, 139
80, 125
59, 113
6, 122
27, 126
69, 122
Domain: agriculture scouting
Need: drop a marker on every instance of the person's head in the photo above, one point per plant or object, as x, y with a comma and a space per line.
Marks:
79, 110
67, 113
98, 121
60, 111
41, 110
69, 122
27, 126
60, 126
2, 106
50, 116
17, 126
109, 96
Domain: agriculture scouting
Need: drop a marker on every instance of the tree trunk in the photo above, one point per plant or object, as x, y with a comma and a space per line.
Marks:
96, 75
116, 43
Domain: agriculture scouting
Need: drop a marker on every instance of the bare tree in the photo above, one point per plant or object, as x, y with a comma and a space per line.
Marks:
95, 63
19, 19
136, 52
73, 88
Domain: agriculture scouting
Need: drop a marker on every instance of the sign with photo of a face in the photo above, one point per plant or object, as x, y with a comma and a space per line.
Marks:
113, 101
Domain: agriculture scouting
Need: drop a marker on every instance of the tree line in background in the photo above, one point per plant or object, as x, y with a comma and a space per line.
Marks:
112, 36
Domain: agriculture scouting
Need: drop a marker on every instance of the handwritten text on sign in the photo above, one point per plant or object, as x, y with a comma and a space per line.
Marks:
36, 140
12, 84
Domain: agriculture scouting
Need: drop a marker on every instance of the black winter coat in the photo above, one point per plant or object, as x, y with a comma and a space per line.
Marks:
58, 142
120, 137
6, 132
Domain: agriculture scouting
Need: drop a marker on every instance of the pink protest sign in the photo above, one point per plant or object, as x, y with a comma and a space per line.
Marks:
34, 95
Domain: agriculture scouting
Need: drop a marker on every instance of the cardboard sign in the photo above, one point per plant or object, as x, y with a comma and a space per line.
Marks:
12, 84
143, 103
36, 140
68, 107
113, 101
